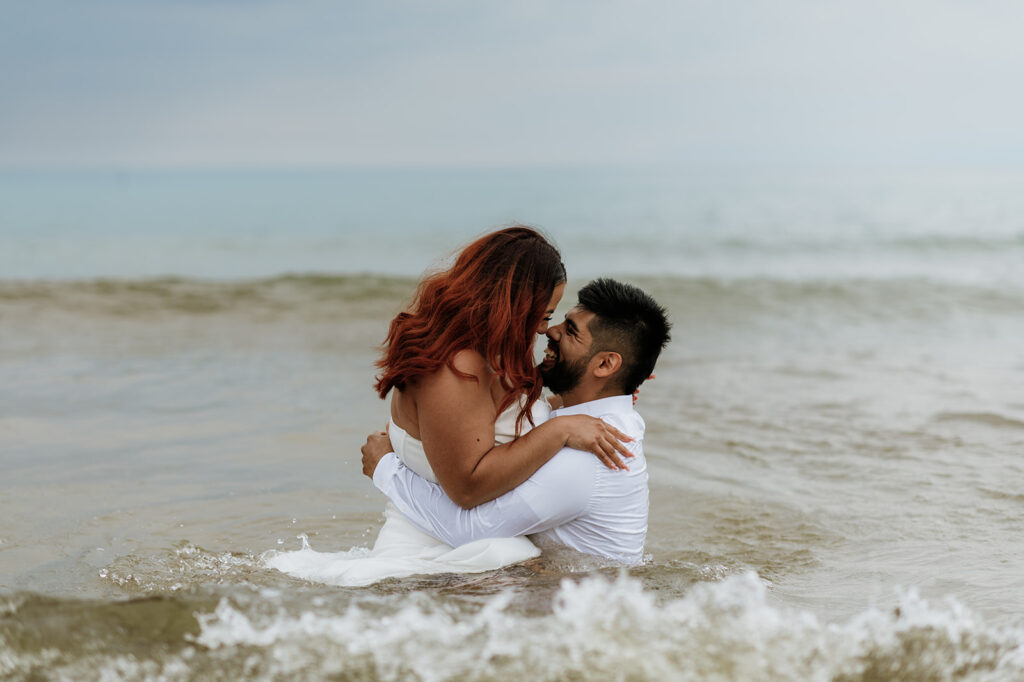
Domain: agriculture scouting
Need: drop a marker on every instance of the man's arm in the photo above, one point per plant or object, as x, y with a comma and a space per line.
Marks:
557, 493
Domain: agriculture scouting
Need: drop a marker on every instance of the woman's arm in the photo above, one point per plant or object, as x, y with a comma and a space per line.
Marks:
456, 423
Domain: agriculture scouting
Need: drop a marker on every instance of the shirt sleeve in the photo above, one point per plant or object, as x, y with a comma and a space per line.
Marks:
557, 493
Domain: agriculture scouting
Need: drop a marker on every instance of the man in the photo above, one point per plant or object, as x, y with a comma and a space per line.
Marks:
596, 358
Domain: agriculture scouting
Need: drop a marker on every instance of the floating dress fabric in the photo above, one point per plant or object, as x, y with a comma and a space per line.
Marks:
401, 548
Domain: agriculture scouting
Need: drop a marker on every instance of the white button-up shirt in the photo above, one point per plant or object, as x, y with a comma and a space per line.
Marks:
573, 500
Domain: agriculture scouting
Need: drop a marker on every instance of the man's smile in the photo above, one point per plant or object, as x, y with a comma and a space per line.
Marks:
550, 355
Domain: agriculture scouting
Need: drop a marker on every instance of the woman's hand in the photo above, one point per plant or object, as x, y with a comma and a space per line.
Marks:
594, 435
636, 393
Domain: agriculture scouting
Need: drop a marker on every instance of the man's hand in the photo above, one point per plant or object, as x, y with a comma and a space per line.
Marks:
377, 445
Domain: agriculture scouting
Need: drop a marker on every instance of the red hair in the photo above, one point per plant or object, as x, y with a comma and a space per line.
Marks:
491, 300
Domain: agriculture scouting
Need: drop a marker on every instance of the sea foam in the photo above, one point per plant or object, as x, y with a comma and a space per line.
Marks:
600, 630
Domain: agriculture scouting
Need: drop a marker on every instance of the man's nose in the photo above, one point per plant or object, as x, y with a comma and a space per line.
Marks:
555, 332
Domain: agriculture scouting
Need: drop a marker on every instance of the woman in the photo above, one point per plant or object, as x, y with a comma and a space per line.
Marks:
466, 409
457, 366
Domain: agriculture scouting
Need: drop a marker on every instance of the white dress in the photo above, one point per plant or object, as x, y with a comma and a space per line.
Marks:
401, 548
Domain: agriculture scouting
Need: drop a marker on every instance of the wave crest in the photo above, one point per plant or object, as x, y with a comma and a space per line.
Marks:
602, 630
324, 294
134, 298
596, 629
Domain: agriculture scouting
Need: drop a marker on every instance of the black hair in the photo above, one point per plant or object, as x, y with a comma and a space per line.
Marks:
628, 321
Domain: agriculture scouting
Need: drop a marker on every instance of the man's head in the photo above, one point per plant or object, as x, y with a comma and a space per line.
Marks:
607, 345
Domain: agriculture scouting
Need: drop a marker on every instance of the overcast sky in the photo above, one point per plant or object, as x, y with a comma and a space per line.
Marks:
338, 82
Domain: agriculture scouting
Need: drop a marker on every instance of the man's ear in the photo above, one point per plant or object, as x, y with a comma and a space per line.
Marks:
607, 363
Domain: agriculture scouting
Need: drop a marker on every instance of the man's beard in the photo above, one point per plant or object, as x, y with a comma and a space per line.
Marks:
563, 376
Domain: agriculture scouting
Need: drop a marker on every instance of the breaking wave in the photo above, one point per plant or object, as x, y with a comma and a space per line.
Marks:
602, 630
596, 629
345, 294
145, 297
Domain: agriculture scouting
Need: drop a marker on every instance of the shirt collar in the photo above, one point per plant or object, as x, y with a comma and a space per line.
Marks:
595, 408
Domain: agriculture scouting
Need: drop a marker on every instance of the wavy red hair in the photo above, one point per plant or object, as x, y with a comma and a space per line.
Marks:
491, 300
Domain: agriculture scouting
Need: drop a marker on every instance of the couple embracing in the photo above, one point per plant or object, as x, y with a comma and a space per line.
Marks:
474, 459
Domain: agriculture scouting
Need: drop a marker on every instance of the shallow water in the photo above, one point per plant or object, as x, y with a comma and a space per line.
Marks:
833, 437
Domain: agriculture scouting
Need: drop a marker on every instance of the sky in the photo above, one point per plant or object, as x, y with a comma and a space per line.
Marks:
312, 83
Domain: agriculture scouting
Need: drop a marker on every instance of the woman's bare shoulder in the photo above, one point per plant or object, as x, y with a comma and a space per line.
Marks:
468, 365
472, 362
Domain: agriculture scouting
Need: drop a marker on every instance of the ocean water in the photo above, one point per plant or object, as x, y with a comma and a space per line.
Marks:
834, 434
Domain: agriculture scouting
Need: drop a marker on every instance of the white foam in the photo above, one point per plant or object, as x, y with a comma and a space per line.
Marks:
617, 630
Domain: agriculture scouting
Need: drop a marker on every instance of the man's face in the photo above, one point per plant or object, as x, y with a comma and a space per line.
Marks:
568, 352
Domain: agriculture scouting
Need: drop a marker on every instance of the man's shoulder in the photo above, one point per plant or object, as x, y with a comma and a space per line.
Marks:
616, 410
569, 460
630, 423
571, 464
